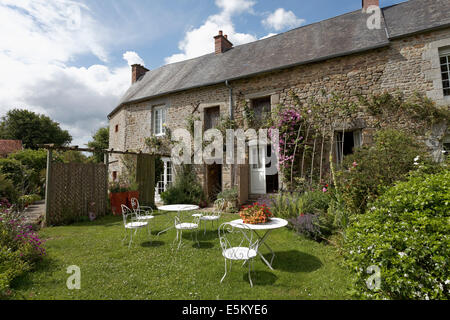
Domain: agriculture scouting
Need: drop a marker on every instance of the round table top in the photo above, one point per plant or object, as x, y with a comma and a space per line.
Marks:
179, 207
274, 223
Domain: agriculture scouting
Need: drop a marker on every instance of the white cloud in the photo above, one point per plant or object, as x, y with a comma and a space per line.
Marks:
269, 35
133, 58
199, 41
231, 7
39, 40
282, 19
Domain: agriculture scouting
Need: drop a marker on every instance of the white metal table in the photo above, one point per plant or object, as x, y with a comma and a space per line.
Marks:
274, 223
177, 208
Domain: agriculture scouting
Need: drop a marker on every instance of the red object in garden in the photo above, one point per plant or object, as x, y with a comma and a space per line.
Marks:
131, 194
117, 199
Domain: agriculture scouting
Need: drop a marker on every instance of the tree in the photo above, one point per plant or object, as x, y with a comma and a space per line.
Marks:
32, 129
100, 142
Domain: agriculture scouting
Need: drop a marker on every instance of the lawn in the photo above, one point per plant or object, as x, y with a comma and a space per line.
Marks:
304, 269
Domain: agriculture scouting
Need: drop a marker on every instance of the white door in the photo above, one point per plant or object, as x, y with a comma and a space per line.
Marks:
257, 170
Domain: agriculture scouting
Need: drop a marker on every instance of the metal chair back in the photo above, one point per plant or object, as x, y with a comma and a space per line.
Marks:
235, 236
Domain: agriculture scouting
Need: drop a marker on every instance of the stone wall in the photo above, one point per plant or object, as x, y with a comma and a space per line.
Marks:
407, 65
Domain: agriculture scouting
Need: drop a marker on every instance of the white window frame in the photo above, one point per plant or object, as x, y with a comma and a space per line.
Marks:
357, 142
162, 120
166, 178
445, 53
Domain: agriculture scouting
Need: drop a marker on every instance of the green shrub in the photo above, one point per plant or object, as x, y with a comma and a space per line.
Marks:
231, 197
286, 205
7, 190
370, 170
11, 266
406, 234
20, 248
185, 190
307, 213
29, 199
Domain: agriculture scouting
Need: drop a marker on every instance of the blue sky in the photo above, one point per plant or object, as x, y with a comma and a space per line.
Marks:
70, 59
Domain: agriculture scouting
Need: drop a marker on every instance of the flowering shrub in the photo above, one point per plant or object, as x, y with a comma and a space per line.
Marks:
406, 234
20, 247
288, 125
256, 213
369, 170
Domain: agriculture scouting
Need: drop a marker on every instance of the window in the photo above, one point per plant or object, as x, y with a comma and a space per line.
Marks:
117, 128
159, 120
447, 145
346, 142
445, 70
212, 117
166, 178
261, 107
114, 175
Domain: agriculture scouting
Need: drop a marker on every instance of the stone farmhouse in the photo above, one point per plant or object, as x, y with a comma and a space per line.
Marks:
409, 51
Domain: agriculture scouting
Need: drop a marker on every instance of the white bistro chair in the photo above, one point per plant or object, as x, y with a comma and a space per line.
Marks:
143, 214
181, 226
238, 245
214, 216
131, 223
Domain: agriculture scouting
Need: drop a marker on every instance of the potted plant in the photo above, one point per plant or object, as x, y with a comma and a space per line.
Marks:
132, 193
118, 195
255, 214
230, 196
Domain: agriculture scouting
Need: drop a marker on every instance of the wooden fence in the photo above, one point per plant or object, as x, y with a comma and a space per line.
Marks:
73, 189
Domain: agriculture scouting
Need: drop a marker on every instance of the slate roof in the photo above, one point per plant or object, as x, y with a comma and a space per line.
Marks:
9, 146
339, 36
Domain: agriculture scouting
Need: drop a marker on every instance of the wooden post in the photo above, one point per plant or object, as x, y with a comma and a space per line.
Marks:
47, 186
106, 160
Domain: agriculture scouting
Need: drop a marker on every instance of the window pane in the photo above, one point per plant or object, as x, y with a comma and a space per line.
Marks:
445, 76
444, 68
446, 84
443, 60
446, 92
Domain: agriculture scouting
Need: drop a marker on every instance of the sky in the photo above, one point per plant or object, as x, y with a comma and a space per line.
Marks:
70, 60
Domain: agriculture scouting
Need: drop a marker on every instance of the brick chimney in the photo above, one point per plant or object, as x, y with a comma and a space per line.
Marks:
367, 3
222, 43
137, 71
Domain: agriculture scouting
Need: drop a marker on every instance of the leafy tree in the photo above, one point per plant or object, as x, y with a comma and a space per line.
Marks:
72, 156
100, 142
35, 161
32, 129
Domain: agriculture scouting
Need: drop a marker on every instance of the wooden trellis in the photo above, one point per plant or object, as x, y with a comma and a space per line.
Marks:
74, 189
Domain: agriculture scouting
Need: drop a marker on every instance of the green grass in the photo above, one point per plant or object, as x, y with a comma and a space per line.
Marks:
304, 269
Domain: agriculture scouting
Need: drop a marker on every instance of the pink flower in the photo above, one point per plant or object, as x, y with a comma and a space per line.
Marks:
324, 189
355, 164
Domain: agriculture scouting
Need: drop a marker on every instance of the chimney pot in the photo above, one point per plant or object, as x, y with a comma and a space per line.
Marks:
137, 71
222, 44
367, 3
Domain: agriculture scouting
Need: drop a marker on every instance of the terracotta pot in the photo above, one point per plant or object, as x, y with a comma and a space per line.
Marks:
117, 199
131, 194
